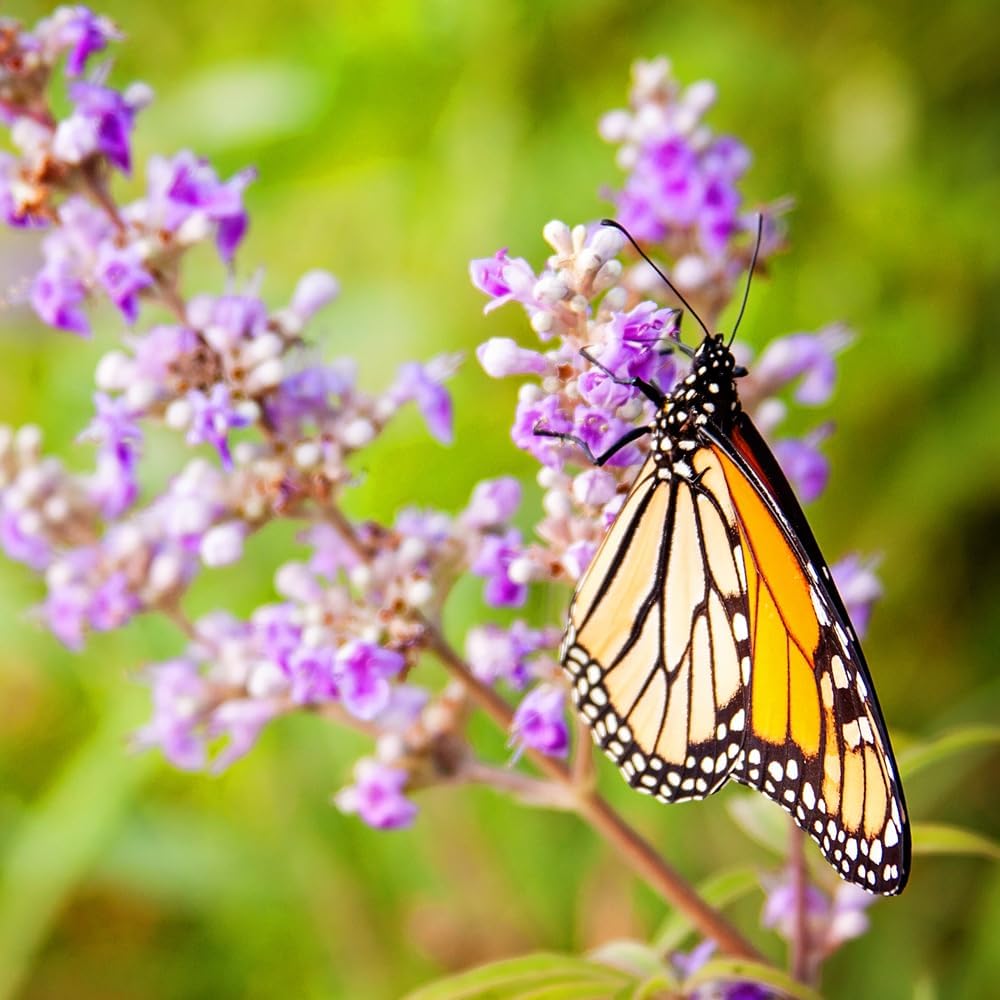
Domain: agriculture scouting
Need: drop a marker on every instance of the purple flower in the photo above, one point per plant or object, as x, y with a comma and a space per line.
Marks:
542, 412
78, 30
312, 674
805, 465
187, 187
179, 693
496, 553
163, 349
540, 721
213, 417
859, 587
377, 796
688, 964
598, 430
496, 653
101, 122
240, 720
114, 486
277, 634
56, 295
315, 290
808, 356
362, 672
501, 356
422, 384
113, 604
635, 340
120, 272
503, 279
493, 502
21, 538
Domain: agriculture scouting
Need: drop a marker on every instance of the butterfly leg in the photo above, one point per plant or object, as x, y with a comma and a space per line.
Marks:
650, 391
625, 439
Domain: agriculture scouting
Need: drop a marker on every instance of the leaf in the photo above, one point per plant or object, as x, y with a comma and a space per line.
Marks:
940, 838
947, 745
736, 970
561, 976
632, 957
719, 891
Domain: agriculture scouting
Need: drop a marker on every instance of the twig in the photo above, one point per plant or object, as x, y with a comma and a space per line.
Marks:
799, 948
602, 817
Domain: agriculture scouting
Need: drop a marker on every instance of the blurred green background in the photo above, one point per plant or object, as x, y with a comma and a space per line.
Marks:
396, 140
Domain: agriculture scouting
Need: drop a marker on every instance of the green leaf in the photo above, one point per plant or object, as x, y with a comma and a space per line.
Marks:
741, 971
940, 838
957, 741
632, 957
719, 891
557, 976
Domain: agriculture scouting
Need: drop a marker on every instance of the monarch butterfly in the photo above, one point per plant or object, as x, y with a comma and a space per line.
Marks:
707, 640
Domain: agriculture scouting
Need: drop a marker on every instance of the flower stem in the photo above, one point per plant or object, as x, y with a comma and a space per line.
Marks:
799, 950
600, 815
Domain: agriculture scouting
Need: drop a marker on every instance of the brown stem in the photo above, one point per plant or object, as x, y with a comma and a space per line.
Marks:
799, 948
532, 791
602, 817
584, 774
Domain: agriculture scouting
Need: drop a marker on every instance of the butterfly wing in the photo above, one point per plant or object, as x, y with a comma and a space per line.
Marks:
657, 659
815, 741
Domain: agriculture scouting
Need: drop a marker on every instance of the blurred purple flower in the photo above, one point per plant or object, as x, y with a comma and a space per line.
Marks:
20, 541
806, 356
77, 30
57, 294
503, 279
312, 675
859, 587
496, 553
493, 502
423, 385
501, 356
121, 273
362, 671
377, 796
178, 697
540, 721
496, 653
101, 122
213, 417
806, 466
187, 187
240, 721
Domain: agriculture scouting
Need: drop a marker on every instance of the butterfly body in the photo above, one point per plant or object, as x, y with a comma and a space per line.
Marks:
707, 640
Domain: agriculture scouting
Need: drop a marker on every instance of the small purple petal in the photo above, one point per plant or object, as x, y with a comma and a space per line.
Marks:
501, 356
540, 721
493, 502
377, 796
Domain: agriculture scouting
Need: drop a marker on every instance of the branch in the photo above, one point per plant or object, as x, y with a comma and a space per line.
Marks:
596, 811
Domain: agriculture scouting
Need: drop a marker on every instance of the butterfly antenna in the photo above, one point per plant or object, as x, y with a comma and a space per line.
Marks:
666, 280
753, 264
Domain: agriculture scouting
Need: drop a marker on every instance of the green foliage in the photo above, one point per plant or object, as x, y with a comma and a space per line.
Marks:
395, 141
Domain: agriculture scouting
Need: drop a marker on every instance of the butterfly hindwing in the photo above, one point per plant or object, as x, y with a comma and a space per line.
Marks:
816, 742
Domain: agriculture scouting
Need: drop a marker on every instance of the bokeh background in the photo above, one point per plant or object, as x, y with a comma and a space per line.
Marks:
395, 140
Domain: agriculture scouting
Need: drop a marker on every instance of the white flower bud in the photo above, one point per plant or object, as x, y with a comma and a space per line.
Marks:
691, 271
542, 322
164, 574
196, 228
357, 433
223, 544
266, 375
266, 680
522, 570
141, 393
178, 414
558, 236
56, 509
114, 371
28, 441
557, 504
308, 454
419, 593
